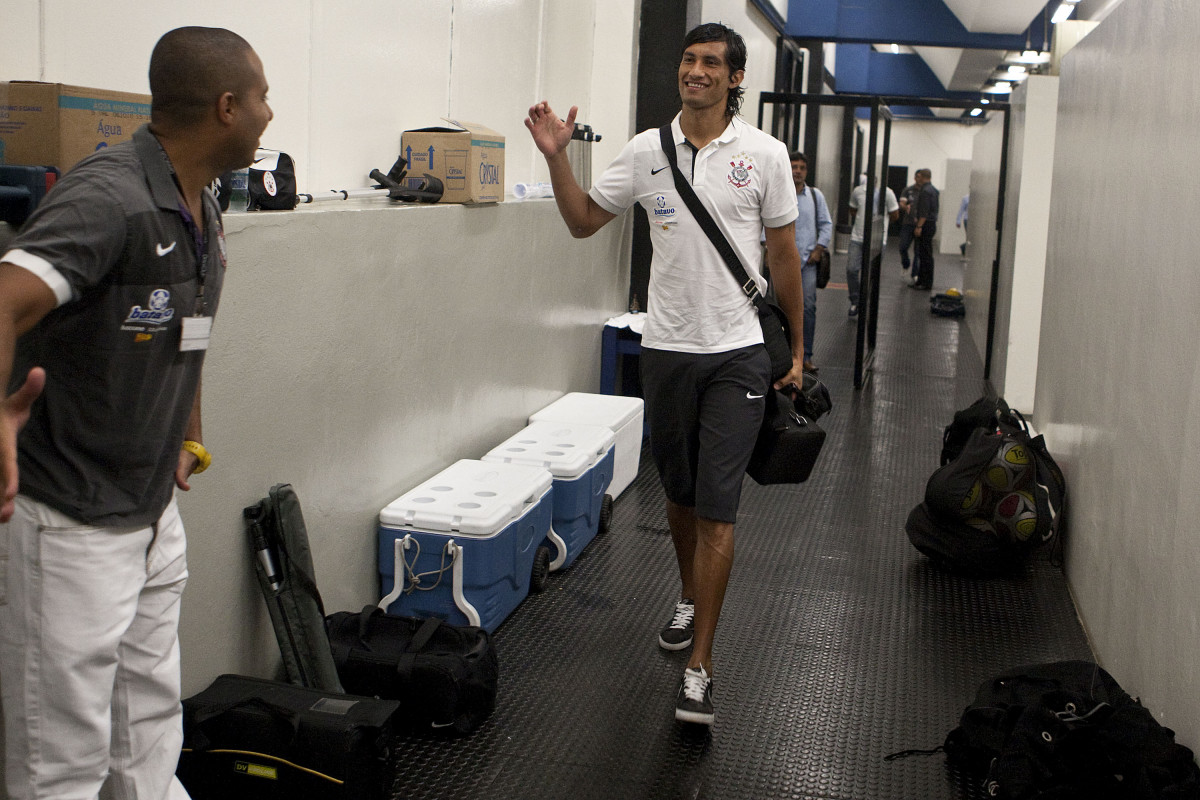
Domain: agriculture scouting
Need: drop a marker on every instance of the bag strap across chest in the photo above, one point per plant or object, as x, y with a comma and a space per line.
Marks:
707, 223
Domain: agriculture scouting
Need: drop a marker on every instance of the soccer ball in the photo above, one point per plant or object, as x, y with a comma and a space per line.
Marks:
1014, 453
1017, 514
1009, 469
972, 498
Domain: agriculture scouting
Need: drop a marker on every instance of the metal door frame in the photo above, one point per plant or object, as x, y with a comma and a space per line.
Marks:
864, 350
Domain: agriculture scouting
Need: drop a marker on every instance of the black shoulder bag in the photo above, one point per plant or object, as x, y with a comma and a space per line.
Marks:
788, 442
823, 266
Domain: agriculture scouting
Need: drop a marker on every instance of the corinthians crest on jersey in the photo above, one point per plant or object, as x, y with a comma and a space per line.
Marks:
741, 170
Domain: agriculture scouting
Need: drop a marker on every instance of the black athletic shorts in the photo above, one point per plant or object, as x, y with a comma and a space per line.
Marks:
704, 412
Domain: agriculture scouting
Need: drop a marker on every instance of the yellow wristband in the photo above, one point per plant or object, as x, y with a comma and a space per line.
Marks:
197, 449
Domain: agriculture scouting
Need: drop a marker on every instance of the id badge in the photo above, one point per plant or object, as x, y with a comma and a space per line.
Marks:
196, 331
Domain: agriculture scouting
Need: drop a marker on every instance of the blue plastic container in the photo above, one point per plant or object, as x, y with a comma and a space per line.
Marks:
580, 457
464, 542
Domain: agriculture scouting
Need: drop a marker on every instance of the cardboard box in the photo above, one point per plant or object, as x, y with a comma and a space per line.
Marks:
56, 125
468, 159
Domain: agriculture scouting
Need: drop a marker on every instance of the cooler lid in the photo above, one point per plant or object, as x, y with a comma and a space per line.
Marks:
594, 409
566, 449
469, 497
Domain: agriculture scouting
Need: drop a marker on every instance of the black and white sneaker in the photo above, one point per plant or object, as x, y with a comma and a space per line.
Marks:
678, 633
694, 702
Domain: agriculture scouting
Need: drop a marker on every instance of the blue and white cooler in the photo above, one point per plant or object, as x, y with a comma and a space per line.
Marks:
621, 415
466, 545
580, 457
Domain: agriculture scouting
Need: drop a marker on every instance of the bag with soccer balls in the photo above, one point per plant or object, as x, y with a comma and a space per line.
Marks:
988, 509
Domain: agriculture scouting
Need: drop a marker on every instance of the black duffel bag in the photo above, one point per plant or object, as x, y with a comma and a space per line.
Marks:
444, 675
788, 443
253, 739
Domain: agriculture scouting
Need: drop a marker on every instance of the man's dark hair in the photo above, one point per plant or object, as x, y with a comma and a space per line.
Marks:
190, 68
735, 56
926, 171
796, 155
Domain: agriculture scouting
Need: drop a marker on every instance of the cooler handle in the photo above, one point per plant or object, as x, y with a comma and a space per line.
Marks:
559, 545
460, 599
398, 570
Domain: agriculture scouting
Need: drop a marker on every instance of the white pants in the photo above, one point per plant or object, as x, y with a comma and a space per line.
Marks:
89, 656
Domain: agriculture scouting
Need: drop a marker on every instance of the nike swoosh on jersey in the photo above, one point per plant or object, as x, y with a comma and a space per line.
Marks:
162, 251
660, 169
753, 396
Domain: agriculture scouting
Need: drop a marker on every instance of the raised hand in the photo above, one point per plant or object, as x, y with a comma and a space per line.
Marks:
550, 134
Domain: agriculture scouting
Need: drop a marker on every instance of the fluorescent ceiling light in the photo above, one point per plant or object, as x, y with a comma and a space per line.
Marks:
984, 101
1062, 13
1027, 57
895, 49
975, 112
1003, 87
1016, 69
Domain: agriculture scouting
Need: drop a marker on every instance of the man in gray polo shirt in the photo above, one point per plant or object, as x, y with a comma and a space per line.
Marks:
107, 296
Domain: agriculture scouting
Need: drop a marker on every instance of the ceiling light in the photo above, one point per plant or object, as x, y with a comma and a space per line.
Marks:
1002, 87
984, 101
1016, 69
1062, 13
895, 49
975, 112
1027, 57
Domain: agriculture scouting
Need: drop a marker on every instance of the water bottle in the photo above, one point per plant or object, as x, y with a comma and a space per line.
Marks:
239, 189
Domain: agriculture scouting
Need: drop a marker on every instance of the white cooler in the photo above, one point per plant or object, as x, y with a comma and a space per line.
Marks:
621, 415
580, 457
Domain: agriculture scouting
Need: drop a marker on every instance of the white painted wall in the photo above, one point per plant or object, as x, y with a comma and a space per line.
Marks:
1034, 110
348, 76
956, 184
1118, 391
981, 230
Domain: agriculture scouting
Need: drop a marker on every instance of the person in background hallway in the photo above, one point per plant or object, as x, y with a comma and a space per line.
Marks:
908, 222
961, 220
814, 232
925, 228
106, 298
858, 199
705, 372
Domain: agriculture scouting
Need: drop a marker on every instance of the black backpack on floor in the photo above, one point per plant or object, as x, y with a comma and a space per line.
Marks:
990, 507
1068, 731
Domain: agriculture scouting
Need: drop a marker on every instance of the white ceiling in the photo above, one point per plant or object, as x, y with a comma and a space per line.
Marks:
995, 16
967, 70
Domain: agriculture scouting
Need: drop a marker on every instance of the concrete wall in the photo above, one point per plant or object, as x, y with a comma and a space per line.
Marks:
348, 76
1118, 391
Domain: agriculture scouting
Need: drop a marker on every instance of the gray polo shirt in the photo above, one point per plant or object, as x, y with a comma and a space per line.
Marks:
115, 244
